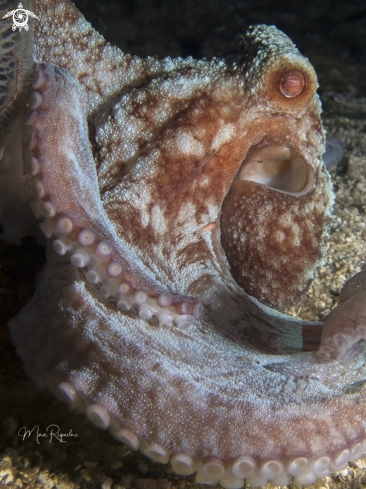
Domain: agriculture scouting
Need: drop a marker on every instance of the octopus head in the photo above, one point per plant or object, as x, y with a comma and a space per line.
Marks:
274, 216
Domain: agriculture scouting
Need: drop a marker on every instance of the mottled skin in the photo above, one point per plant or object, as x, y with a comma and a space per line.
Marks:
191, 170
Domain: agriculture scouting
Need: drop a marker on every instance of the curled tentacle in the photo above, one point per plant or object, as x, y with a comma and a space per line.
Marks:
345, 326
70, 212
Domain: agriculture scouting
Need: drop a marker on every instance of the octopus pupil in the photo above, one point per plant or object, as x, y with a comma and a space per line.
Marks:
292, 84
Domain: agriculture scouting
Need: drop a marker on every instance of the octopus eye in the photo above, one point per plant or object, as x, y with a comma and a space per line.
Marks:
279, 167
292, 84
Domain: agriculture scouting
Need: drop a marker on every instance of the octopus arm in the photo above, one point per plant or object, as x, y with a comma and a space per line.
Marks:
17, 71
345, 326
180, 388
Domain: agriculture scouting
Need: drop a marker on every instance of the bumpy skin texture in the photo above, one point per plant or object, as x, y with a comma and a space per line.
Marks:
156, 182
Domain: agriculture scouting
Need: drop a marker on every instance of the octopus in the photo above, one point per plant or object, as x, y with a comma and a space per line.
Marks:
184, 204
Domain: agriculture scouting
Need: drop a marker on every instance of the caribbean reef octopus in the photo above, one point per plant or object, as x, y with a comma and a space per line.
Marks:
184, 203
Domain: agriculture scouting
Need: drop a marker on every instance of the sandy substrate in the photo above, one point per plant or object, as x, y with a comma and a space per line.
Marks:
92, 459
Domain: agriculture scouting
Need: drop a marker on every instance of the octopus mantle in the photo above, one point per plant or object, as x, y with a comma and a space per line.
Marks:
183, 202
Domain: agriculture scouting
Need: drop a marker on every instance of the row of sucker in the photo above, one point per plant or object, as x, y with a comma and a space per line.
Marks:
90, 253
345, 326
344, 346
232, 474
